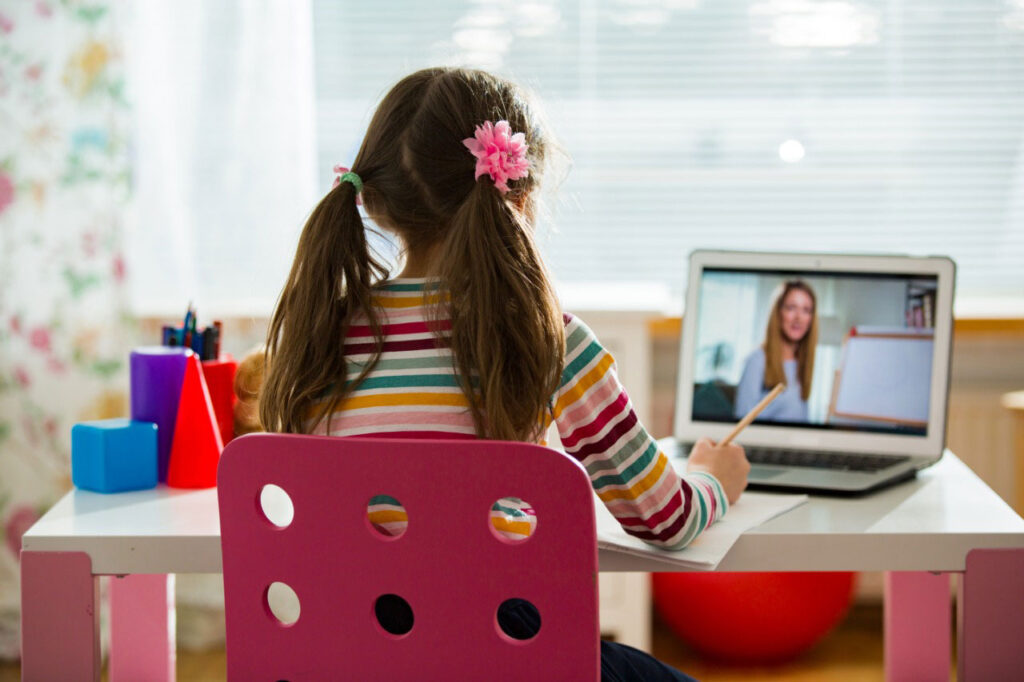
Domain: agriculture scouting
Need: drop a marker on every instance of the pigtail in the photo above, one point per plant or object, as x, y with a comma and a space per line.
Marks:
507, 331
332, 277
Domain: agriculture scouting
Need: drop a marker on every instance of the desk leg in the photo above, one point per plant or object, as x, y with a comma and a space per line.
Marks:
142, 644
59, 617
990, 615
917, 626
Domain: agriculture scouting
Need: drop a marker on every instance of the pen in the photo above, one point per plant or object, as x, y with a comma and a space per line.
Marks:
752, 415
197, 344
186, 328
219, 326
208, 345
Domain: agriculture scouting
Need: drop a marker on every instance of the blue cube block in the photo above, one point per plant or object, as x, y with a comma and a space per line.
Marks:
113, 455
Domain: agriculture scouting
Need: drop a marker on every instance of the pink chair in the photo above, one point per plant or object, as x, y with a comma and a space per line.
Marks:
449, 565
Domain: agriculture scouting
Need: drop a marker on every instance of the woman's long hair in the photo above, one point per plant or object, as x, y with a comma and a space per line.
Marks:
507, 332
774, 373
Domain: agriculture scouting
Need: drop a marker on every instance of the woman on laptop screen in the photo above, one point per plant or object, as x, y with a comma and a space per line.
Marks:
786, 356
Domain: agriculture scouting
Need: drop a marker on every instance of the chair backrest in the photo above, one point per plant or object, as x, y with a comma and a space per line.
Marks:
449, 565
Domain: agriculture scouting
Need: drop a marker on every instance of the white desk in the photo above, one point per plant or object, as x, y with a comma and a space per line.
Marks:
946, 521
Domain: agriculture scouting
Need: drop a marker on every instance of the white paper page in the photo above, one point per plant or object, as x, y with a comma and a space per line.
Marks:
711, 546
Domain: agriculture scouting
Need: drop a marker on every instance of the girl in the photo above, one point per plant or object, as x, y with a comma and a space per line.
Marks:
469, 341
787, 356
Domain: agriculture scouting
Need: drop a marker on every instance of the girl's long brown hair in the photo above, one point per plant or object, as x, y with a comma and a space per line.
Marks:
774, 373
507, 333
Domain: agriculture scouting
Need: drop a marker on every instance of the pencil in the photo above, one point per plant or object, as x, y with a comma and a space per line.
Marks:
752, 415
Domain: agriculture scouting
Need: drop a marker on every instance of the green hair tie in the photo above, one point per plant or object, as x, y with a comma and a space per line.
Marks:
356, 181
349, 177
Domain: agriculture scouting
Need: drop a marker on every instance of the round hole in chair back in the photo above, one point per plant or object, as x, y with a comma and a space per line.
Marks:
282, 603
393, 614
276, 505
519, 619
386, 516
513, 519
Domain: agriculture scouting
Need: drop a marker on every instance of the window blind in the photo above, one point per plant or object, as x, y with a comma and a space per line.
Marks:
883, 126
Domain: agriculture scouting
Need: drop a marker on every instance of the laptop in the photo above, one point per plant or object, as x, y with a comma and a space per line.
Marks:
861, 342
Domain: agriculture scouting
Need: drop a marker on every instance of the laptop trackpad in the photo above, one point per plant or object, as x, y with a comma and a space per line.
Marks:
763, 473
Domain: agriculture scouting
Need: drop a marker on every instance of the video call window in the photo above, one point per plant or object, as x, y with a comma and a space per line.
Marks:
854, 350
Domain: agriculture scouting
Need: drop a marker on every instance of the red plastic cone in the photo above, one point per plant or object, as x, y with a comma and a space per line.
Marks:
197, 442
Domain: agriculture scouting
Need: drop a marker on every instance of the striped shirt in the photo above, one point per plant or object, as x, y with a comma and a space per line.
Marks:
414, 392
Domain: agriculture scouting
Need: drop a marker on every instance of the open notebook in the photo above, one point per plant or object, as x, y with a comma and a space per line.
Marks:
711, 546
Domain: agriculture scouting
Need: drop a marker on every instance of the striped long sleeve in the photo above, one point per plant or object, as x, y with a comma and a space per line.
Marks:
599, 427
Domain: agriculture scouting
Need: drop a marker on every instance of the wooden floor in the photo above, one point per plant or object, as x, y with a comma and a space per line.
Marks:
851, 653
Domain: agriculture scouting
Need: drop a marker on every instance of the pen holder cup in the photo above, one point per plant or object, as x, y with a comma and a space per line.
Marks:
220, 380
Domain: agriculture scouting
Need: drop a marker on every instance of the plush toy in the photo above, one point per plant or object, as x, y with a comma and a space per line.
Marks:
248, 380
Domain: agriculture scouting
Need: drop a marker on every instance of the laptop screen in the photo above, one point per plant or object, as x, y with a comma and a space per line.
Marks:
854, 350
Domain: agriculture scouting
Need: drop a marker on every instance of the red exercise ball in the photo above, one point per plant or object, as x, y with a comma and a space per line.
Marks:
752, 617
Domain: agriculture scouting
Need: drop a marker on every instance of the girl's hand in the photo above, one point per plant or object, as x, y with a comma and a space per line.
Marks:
728, 464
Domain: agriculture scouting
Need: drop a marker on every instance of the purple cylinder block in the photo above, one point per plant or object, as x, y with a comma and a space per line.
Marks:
157, 373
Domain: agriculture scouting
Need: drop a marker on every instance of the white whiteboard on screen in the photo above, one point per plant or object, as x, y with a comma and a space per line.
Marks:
885, 377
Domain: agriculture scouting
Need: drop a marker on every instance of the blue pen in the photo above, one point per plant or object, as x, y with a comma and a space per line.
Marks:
198, 345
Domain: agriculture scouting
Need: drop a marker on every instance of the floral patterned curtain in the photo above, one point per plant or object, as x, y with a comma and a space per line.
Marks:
65, 330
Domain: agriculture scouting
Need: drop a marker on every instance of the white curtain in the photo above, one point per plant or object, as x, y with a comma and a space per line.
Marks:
224, 162
224, 174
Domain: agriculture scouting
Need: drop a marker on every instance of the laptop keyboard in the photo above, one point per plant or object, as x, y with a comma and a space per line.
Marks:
836, 461
842, 461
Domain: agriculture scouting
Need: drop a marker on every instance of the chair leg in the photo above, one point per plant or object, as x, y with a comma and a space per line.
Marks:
917, 626
142, 638
990, 615
59, 617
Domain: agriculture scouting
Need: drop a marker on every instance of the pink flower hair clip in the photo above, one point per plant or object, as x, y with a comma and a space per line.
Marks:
499, 153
